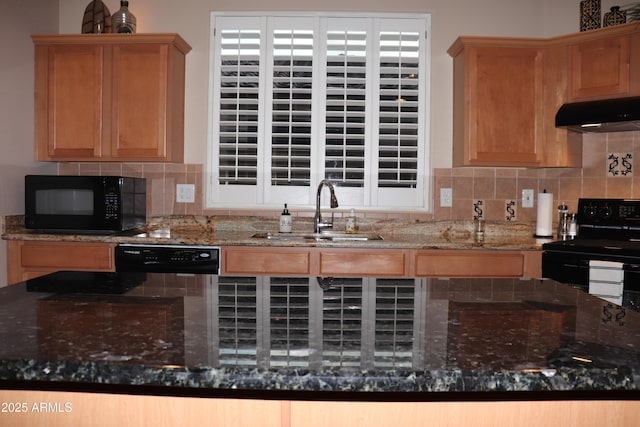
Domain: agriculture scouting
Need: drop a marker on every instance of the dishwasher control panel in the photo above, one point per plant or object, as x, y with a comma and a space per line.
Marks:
168, 258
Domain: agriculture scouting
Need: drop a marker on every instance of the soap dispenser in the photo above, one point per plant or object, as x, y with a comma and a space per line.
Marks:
285, 220
351, 227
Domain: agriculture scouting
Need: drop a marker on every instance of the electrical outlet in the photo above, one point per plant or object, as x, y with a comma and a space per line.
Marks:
446, 197
527, 198
185, 193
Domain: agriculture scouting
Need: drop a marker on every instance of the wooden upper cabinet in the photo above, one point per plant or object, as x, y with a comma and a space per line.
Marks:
606, 64
69, 87
110, 97
498, 93
600, 68
507, 92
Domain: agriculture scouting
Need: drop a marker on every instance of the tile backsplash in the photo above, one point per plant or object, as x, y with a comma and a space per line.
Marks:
494, 193
161, 182
607, 171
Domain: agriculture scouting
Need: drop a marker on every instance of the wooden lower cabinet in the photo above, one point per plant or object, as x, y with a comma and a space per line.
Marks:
115, 410
27, 259
477, 263
367, 262
458, 414
280, 261
357, 262
315, 261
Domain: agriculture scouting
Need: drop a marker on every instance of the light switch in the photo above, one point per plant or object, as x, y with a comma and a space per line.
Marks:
446, 197
527, 198
185, 193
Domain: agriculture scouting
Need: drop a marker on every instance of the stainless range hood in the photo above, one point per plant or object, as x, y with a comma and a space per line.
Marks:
611, 115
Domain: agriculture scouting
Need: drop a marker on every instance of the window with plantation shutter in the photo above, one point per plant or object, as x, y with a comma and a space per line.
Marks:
297, 98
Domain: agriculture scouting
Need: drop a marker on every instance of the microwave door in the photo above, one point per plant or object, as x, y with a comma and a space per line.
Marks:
87, 204
64, 203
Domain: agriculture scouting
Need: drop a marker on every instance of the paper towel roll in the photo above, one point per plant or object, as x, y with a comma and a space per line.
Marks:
544, 223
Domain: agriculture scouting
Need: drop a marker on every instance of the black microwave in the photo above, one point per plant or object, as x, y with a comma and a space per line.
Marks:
84, 204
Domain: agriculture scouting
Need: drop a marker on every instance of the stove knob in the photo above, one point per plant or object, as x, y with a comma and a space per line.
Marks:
590, 211
606, 212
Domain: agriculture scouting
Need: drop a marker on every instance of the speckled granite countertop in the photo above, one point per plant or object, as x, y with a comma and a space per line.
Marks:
414, 339
234, 231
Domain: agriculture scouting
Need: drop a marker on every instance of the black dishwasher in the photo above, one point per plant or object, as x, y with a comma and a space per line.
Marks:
194, 259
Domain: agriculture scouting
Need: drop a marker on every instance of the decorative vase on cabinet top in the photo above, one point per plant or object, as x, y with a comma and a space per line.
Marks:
614, 17
589, 15
96, 18
123, 21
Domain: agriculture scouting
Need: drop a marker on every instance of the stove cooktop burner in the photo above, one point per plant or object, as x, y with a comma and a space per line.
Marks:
619, 248
609, 219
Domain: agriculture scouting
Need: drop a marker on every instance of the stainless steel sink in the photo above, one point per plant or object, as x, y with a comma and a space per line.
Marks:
288, 236
325, 236
337, 237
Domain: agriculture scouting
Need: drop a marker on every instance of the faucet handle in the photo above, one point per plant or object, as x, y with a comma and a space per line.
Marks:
324, 225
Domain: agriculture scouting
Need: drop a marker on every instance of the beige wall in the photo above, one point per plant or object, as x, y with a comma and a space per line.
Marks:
18, 20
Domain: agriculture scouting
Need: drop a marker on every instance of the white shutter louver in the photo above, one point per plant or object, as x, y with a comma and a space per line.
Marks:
398, 131
291, 107
239, 95
346, 107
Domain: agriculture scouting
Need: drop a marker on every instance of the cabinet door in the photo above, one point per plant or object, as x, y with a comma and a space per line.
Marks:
600, 68
69, 105
139, 101
116, 410
353, 262
498, 106
278, 261
460, 263
116, 98
28, 259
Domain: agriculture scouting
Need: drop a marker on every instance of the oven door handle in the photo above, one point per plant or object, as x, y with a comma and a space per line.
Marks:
579, 263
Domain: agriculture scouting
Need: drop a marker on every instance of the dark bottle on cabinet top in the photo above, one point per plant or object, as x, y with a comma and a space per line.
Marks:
123, 21
614, 17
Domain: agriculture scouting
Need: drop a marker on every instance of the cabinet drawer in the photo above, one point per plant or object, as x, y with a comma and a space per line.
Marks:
466, 264
67, 255
367, 263
282, 261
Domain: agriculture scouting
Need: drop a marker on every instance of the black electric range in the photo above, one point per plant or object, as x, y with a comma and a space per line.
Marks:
608, 230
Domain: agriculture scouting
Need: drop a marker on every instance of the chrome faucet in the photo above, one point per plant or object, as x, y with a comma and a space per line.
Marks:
317, 220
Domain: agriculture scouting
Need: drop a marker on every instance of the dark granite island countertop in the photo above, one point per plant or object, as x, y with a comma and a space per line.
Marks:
309, 338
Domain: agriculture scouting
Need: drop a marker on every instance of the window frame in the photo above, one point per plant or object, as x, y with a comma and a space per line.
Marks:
263, 196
